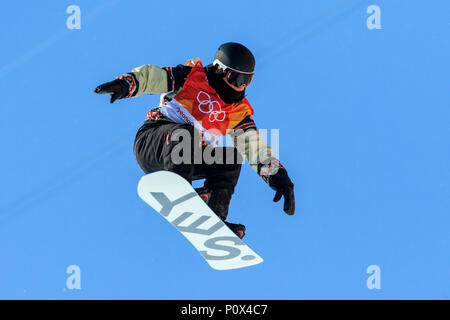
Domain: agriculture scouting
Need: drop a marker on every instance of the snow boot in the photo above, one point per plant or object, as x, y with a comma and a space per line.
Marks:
219, 200
238, 229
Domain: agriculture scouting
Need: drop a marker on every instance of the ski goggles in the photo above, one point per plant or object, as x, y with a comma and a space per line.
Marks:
235, 77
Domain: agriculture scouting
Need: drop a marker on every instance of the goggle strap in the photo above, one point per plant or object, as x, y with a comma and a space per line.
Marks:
225, 67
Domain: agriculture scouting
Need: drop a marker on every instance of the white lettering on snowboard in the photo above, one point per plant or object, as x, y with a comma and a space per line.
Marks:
194, 227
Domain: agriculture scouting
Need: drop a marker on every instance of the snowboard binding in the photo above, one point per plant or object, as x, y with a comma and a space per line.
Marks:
222, 207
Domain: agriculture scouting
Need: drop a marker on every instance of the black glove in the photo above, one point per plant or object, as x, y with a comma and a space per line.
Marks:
283, 186
118, 89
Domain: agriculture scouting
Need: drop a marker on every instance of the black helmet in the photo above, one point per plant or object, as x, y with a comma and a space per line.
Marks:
236, 57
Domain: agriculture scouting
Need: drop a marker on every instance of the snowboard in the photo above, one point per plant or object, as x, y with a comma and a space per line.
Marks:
177, 201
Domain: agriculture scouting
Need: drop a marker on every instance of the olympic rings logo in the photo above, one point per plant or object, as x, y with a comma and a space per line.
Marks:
212, 107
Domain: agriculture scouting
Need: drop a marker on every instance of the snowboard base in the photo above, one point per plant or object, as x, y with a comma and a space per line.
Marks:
177, 201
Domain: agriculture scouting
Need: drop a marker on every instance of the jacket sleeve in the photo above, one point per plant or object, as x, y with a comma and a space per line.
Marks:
148, 79
253, 147
151, 79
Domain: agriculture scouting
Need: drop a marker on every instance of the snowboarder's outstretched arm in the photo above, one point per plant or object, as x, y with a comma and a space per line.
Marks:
145, 79
260, 156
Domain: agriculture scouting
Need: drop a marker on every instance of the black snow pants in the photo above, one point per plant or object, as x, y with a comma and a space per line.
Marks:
155, 146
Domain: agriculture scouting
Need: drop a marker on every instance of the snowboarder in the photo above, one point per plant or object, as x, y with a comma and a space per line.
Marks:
208, 102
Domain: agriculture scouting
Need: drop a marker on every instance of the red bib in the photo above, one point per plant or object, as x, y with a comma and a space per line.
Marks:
199, 104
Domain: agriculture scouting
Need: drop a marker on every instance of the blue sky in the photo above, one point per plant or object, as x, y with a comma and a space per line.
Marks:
364, 124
